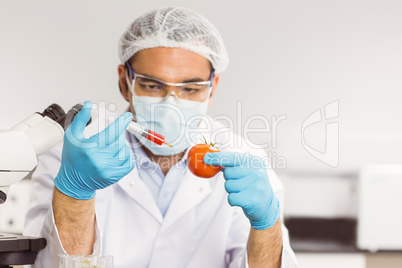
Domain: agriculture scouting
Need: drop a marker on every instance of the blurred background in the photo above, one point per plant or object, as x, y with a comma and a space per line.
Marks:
318, 81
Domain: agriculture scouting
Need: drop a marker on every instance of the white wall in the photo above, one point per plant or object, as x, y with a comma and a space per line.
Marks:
287, 58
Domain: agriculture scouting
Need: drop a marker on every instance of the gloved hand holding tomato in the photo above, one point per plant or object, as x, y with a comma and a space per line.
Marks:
248, 187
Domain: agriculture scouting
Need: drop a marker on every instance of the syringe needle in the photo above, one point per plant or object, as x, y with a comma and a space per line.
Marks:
168, 144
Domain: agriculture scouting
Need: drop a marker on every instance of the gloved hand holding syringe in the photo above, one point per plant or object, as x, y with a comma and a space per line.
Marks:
90, 164
140, 130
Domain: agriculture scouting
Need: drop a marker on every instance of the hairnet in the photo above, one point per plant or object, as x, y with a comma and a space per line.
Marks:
175, 27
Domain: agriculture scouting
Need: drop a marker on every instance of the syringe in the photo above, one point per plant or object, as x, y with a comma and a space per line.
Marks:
150, 135
136, 128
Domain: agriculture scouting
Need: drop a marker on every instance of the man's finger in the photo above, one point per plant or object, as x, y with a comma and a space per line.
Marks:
237, 172
112, 133
236, 186
81, 119
226, 159
244, 199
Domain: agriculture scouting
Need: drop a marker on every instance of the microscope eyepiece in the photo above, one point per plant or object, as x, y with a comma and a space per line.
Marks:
3, 197
54, 112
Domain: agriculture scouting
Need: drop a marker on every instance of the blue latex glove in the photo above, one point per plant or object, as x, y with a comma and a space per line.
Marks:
248, 187
95, 163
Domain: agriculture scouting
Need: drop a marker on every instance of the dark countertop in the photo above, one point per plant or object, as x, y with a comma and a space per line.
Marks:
309, 246
315, 235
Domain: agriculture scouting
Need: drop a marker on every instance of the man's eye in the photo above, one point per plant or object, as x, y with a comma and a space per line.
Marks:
191, 90
151, 86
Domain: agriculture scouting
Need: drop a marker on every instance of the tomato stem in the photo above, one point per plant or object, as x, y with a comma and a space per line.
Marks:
206, 142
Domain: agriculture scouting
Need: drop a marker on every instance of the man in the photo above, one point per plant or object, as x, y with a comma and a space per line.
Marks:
88, 198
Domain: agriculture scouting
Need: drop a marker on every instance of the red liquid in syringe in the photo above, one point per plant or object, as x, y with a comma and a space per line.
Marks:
150, 135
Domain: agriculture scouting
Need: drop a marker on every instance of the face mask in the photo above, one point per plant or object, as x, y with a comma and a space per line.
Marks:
174, 118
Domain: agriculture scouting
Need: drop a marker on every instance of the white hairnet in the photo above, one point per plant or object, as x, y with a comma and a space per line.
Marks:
175, 27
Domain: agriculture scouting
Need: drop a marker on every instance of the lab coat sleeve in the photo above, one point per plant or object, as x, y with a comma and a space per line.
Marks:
239, 256
39, 220
288, 257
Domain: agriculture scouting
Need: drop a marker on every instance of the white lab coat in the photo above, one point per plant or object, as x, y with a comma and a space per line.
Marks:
200, 228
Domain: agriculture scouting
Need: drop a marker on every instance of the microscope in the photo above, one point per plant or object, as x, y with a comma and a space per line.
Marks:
19, 148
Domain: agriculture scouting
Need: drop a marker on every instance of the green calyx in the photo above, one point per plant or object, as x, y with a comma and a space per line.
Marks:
204, 140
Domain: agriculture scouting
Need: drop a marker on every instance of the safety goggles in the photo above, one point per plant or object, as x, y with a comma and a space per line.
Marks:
152, 87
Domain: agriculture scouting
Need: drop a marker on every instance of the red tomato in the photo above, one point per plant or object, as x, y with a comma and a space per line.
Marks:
195, 163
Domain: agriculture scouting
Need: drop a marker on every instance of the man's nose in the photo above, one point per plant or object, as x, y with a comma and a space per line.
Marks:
172, 91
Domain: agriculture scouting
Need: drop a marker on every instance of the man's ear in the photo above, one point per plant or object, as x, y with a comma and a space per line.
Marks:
125, 92
215, 82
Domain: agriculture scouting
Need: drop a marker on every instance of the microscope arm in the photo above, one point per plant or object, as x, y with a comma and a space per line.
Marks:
21, 145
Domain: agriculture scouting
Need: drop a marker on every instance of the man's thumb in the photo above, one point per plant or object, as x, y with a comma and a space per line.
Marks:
81, 119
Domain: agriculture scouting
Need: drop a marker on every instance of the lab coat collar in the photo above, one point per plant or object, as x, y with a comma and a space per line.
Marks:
137, 190
191, 192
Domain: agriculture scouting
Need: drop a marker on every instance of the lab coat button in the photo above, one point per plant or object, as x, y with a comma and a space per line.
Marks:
201, 190
132, 183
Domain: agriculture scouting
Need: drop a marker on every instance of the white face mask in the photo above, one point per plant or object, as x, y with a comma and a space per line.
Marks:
175, 119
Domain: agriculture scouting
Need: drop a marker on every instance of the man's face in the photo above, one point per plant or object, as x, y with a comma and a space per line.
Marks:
173, 65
